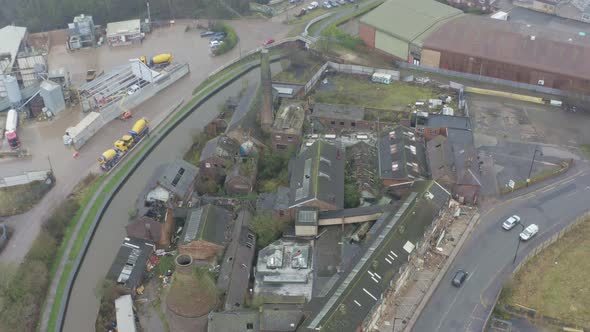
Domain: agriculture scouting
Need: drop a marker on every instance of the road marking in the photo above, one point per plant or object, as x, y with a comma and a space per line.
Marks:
378, 276
393, 253
375, 280
371, 273
547, 189
371, 295
571, 194
355, 301
389, 256
388, 261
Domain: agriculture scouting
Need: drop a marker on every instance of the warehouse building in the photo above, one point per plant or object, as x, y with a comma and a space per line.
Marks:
511, 51
124, 33
398, 27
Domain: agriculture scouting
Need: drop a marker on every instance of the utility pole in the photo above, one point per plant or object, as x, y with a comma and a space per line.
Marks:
149, 15
518, 243
528, 179
50, 166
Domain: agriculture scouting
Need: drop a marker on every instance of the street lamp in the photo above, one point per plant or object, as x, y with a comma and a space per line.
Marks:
528, 179
518, 243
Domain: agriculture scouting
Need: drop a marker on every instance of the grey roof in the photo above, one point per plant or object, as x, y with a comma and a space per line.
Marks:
441, 195
278, 200
402, 155
318, 174
236, 267
441, 159
344, 112
129, 265
178, 177
285, 90
11, 37
289, 119
467, 165
220, 146
445, 121
243, 108
280, 318
306, 217
123, 27
362, 158
234, 321
207, 223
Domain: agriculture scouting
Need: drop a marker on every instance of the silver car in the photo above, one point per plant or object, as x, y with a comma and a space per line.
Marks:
529, 232
511, 222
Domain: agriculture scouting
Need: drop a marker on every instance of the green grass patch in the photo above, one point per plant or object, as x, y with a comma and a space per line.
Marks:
538, 177
354, 90
19, 199
555, 283
230, 41
585, 148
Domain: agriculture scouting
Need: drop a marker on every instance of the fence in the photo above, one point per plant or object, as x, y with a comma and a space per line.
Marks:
492, 80
27, 177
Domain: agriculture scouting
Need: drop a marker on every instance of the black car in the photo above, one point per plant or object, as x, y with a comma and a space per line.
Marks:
459, 278
217, 38
207, 33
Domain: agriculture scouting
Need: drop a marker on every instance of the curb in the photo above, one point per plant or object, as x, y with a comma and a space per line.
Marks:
418, 311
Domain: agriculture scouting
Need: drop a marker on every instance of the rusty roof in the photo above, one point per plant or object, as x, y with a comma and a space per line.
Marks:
523, 45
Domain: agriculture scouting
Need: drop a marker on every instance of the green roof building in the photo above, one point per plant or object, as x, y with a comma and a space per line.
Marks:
398, 27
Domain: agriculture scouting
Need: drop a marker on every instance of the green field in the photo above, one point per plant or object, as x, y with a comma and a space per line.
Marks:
555, 282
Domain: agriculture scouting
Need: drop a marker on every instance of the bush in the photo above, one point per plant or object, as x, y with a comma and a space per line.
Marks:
266, 228
230, 40
352, 197
62, 215
333, 35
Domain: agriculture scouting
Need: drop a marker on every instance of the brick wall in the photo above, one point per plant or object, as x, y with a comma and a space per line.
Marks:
282, 142
367, 35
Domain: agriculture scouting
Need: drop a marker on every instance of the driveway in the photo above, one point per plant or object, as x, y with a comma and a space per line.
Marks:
488, 255
44, 140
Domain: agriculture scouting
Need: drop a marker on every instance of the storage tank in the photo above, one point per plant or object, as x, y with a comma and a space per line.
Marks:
52, 96
12, 89
11, 121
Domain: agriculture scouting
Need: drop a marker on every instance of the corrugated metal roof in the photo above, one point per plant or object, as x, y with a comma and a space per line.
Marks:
131, 26
509, 42
409, 20
124, 313
11, 37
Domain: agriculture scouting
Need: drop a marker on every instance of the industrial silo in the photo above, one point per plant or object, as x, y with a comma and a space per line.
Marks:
53, 97
12, 89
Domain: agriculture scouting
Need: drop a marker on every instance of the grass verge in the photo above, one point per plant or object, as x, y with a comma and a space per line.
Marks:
585, 148
554, 283
538, 177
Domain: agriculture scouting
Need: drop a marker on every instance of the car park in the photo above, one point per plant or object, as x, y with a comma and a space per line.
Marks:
207, 33
529, 232
327, 5
459, 278
509, 223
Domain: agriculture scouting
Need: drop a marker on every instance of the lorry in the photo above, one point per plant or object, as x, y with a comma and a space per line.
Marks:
112, 156
160, 60
136, 134
109, 159
10, 133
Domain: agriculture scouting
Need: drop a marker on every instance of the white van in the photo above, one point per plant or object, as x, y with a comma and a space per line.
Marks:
529, 232
313, 5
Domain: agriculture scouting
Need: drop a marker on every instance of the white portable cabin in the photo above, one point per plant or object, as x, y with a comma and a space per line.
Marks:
502, 16
381, 78
11, 121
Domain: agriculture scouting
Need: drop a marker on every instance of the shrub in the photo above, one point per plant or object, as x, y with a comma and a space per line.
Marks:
266, 228
230, 40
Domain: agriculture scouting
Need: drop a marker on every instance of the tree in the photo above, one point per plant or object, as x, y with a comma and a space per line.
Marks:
352, 197
267, 228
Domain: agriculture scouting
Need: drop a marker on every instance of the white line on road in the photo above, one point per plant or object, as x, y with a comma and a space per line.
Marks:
389, 256
355, 301
393, 253
388, 261
378, 276
371, 273
371, 295
375, 280
571, 194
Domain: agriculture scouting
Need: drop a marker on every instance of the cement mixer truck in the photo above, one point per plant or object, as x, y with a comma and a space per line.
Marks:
11, 124
136, 134
160, 60
111, 157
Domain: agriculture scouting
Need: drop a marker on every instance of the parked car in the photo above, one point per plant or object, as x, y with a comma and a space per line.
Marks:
302, 12
509, 223
215, 43
352, 1
207, 33
327, 5
460, 278
342, 2
529, 232
313, 5
295, 1
268, 42
133, 89
334, 3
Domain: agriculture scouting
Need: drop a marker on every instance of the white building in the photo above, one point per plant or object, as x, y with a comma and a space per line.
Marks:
124, 32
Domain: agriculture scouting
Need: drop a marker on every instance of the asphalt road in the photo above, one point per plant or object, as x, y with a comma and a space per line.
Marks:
488, 255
